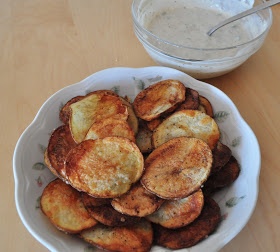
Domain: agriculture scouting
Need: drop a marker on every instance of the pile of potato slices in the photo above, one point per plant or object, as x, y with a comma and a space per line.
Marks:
131, 175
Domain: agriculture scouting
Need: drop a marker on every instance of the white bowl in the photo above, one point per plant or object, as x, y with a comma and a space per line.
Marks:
195, 58
31, 175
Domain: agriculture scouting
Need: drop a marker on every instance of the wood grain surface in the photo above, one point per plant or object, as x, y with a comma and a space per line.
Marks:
46, 45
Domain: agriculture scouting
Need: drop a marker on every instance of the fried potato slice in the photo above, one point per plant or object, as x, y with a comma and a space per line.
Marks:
92, 201
221, 155
205, 106
190, 123
63, 206
103, 91
222, 178
137, 237
104, 167
152, 125
132, 119
177, 168
144, 138
158, 98
60, 143
105, 213
92, 108
193, 233
178, 213
64, 113
137, 202
110, 127
191, 101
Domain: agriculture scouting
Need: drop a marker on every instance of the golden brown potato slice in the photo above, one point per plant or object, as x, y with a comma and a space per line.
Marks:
92, 108
178, 213
105, 213
137, 202
222, 178
110, 127
92, 201
154, 123
158, 98
190, 123
205, 106
177, 168
137, 237
103, 91
48, 164
63, 206
192, 100
221, 155
65, 111
105, 167
132, 118
193, 233
60, 143
144, 138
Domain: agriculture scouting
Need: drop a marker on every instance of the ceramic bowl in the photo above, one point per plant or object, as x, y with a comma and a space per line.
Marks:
31, 174
200, 60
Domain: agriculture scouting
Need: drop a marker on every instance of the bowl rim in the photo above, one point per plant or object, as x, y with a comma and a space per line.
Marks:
139, 26
146, 71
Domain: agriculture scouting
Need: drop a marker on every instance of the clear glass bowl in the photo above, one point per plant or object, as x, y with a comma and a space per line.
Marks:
197, 61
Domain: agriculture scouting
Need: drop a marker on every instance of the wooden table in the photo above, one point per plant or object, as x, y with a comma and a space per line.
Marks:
46, 45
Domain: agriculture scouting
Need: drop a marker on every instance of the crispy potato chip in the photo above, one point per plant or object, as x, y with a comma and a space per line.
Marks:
152, 125
65, 111
103, 91
137, 237
191, 101
60, 143
221, 155
104, 167
132, 119
158, 98
222, 178
205, 106
110, 127
177, 168
63, 206
178, 213
106, 214
92, 201
48, 164
92, 108
137, 202
144, 138
191, 234
190, 123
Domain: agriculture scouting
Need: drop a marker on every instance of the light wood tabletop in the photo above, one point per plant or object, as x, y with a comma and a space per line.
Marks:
46, 45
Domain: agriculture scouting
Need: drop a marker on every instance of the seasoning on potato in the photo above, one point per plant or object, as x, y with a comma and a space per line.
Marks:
136, 173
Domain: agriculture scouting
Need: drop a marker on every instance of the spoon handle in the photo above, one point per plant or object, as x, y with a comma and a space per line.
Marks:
243, 14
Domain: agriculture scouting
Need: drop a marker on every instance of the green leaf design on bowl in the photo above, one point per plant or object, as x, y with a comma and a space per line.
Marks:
221, 116
116, 89
37, 204
39, 166
234, 201
236, 141
154, 79
42, 148
140, 83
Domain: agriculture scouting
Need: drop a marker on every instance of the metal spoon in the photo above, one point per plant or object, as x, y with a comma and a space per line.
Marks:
243, 14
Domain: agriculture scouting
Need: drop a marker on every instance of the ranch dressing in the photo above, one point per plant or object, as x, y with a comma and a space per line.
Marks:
188, 27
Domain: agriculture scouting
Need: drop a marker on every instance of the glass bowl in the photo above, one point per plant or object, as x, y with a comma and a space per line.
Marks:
205, 57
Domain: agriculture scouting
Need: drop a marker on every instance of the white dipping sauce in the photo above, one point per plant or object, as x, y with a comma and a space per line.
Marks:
181, 41
188, 26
